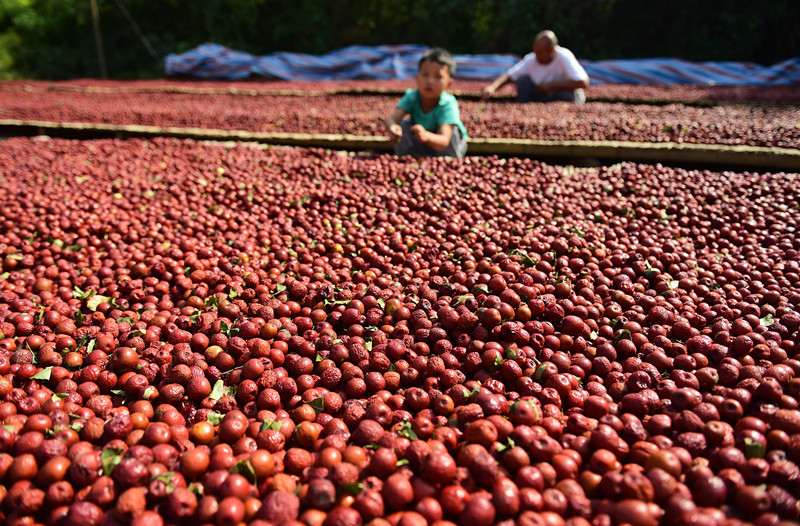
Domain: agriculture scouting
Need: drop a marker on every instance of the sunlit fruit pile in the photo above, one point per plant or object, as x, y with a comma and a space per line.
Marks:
725, 124
224, 333
655, 93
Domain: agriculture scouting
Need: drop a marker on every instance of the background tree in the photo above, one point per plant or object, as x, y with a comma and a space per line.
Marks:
53, 39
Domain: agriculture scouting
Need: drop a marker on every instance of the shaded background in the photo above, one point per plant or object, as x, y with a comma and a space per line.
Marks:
54, 39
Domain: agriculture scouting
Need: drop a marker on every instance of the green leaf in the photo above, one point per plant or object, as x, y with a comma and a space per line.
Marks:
754, 448
527, 261
168, 478
227, 330
402, 462
498, 361
767, 320
475, 392
81, 294
110, 457
44, 374
318, 404
335, 302
537, 375
480, 289
274, 425
462, 299
218, 391
214, 417
196, 488
231, 390
405, 431
353, 488
245, 469
509, 444
93, 302
624, 334
212, 301
40, 315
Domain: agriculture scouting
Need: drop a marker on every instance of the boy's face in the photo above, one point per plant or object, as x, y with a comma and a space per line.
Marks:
432, 79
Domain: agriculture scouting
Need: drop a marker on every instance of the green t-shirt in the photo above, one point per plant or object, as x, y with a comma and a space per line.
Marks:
446, 112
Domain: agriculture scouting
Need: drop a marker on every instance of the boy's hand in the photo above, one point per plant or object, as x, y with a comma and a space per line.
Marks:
420, 133
395, 132
487, 92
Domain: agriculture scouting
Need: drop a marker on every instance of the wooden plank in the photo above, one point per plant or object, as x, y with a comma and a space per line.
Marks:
748, 157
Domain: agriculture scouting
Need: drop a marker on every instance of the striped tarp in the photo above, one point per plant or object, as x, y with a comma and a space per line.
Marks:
213, 61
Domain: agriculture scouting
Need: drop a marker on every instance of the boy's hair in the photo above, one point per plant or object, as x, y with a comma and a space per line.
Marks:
440, 56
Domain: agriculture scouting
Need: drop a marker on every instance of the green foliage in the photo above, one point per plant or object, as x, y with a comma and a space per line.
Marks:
54, 39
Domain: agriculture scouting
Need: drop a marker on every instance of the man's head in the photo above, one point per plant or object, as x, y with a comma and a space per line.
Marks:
544, 47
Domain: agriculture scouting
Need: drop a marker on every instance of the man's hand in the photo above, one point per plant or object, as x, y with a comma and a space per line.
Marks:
499, 82
395, 132
488, 91
545, 87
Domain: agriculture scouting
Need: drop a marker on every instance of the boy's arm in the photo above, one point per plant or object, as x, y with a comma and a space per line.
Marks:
439, 140
393, 124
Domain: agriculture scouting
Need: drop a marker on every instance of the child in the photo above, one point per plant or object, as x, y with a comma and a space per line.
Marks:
434, 127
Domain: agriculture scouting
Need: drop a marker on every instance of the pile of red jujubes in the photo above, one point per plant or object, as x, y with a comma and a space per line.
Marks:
655, 93
224, 334
769, 126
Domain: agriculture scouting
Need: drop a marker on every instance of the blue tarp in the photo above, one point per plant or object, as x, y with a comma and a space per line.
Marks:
213, 61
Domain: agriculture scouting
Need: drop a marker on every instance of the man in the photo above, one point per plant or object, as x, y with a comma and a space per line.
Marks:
548, 74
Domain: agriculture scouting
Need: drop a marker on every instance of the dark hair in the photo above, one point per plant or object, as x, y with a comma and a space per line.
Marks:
440, 56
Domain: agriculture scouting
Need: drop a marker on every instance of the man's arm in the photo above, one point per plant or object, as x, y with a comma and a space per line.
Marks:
563, 85
499, 82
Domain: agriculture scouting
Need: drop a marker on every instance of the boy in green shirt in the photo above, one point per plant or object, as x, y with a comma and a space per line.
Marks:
434, 126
